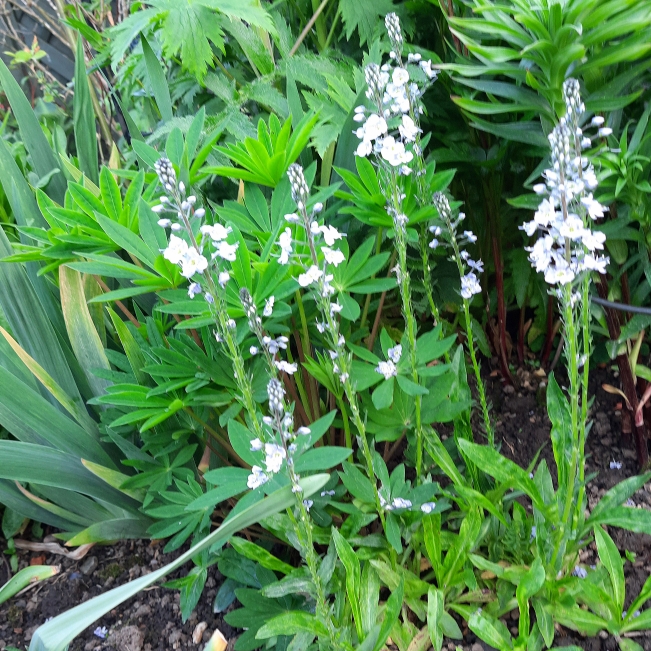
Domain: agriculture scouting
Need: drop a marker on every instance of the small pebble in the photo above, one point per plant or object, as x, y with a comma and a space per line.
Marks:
142, 611
175, 636
89, 565
197, 634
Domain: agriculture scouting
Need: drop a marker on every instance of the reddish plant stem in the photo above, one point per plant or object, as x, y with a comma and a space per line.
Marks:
332, 405
378, 313
521, 336
457, 42
308, 380
501, 306
376, 322
626, 375
626, 296
119, 304
549, 335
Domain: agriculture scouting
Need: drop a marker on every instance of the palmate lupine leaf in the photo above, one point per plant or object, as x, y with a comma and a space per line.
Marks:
56, 634
188, 28
363, 16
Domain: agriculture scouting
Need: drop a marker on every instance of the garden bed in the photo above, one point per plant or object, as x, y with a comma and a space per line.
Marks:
152, 622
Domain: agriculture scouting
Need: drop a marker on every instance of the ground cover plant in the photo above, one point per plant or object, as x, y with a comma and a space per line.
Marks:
263, 312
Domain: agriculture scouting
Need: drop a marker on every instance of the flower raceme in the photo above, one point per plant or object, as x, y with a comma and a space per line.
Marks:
390, 128
567, 246
279, 445
447, 234
181, 213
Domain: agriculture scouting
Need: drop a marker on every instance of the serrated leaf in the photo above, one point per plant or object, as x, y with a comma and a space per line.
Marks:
363, 16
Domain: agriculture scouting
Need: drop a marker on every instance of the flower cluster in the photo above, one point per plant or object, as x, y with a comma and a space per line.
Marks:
468, 268
321, 240
403, 504
269, 345
389, 368
567, 245
280, 446
390, 128
179, 212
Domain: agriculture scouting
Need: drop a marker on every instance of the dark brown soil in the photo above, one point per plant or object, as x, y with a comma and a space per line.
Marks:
152, 622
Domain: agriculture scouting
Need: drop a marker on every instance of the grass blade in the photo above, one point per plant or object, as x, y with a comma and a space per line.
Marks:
24, 578
42, 155
81, 329
84, 119
77, 412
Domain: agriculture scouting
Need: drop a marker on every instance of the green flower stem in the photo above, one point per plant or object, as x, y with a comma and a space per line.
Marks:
343, 361
427, 282
344, 415
220, 314
244, 383
408, 313
306, 541
571, 354
490, 435
585, 326
301, 389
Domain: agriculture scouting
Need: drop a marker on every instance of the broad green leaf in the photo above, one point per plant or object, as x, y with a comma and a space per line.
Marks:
32, 419
369, 596
110, 194
391, 614
435, 605
382, 397
322, 458
46, 466
353, 577
157, 81
291, 623
131, 347
578, 619
128, 241
624, 517
256, 553
240, 438
78, 412
504, 470
611, 558
616, 496
490, 630
108, 530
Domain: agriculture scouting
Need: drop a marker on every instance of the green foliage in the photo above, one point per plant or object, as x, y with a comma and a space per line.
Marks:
136, 408
188, 28
553, 39
362, 15
26, 576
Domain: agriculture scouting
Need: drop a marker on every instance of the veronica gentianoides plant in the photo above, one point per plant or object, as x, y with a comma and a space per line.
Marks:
390, 132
